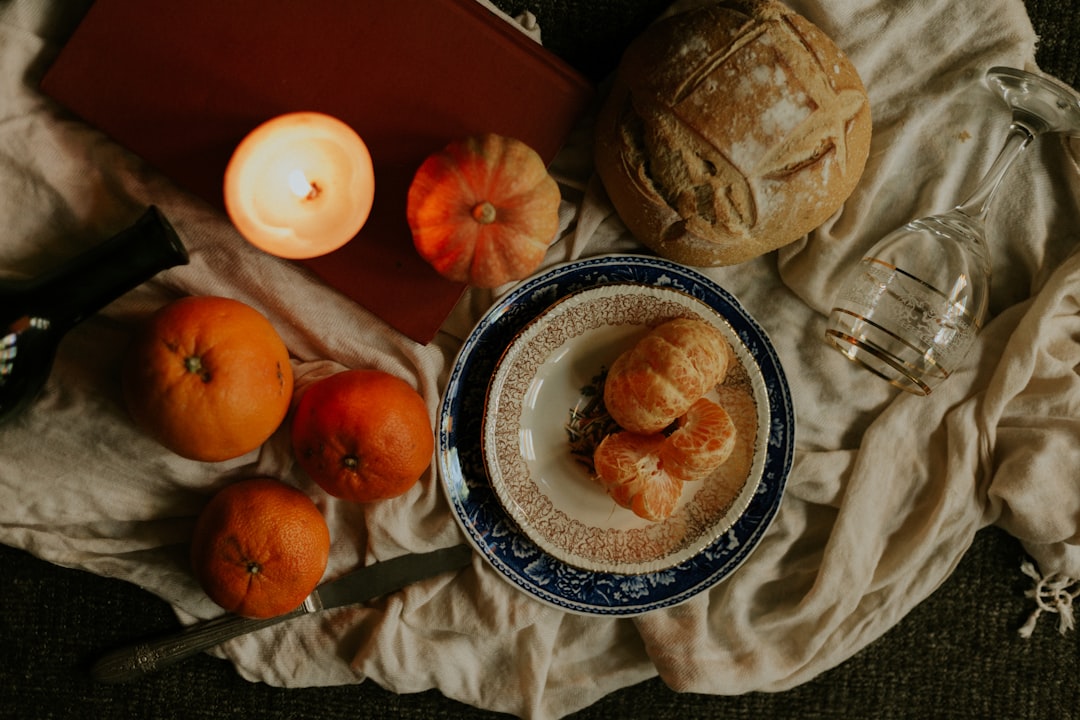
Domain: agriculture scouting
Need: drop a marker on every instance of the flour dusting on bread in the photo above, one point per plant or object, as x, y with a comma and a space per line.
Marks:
731, 130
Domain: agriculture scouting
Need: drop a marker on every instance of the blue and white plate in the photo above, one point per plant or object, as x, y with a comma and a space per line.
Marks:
496, 534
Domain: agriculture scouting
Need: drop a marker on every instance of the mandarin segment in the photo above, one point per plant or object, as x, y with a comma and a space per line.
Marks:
628, 466
666, 431
645, 472
703, 441
664, 373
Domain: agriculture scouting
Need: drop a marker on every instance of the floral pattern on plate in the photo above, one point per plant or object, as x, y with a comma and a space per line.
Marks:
549, 493
499, 539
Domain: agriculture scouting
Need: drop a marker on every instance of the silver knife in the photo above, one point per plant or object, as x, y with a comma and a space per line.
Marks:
356, 587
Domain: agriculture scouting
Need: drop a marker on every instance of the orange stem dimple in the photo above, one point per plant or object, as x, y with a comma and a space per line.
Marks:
193, 364
484, 213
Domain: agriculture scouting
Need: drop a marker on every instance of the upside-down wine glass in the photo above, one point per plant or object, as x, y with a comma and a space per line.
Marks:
910, 309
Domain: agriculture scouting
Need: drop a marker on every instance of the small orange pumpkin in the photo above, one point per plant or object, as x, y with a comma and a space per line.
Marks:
483, 210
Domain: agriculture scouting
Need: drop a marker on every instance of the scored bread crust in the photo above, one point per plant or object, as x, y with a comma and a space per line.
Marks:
731, 130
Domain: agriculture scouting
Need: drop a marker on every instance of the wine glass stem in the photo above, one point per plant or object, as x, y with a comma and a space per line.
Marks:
978, 203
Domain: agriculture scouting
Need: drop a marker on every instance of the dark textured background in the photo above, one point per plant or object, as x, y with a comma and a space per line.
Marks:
955, 656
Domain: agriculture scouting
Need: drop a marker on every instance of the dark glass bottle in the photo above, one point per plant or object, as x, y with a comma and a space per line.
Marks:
36, 314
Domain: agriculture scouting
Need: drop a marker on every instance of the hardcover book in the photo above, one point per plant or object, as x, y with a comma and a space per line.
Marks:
182, 83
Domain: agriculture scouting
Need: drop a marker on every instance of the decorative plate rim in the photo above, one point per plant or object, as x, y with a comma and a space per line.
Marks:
485, 522
663, 538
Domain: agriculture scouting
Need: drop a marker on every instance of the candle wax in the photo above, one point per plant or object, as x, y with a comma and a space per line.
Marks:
300, 185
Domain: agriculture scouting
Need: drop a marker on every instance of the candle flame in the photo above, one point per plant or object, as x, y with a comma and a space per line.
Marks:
301, 186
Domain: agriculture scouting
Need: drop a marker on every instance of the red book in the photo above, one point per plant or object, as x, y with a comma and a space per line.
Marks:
182, 83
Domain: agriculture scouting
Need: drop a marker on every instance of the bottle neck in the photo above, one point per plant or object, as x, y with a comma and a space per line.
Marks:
90, 281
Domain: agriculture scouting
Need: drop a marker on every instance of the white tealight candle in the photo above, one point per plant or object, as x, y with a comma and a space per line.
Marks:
300, 185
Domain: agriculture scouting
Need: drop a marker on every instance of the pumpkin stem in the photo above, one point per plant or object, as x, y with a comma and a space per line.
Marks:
484, 213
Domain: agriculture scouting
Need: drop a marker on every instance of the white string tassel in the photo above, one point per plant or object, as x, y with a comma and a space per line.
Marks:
1052, 593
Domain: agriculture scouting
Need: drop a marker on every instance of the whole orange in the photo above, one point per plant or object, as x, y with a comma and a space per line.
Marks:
259, 547
363, 435
208, 377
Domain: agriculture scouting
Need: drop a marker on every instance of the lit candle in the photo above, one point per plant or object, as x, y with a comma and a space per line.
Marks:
300, 185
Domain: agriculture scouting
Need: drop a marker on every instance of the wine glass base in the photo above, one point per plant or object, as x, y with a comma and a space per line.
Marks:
1040, 104
883, 353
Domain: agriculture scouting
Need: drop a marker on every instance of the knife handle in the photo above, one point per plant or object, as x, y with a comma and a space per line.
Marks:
130, 663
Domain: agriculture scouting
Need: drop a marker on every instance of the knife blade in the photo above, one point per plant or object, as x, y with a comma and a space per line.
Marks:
354, 588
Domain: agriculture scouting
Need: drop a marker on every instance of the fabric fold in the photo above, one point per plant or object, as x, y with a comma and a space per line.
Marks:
885, 494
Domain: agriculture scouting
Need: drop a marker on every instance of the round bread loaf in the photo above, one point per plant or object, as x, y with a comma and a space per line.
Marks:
731, 130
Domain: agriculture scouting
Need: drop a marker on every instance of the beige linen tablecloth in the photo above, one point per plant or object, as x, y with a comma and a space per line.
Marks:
885, 494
